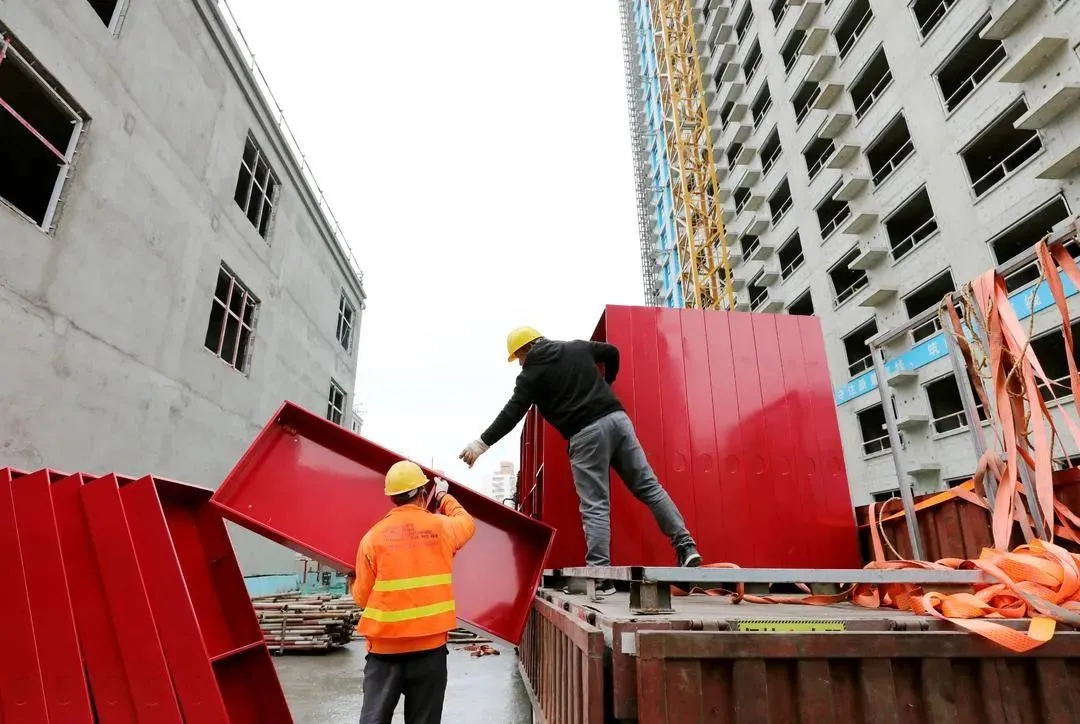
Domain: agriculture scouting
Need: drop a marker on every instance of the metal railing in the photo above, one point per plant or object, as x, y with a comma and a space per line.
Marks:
748, 249
801, 112
1007, 166
758, 296
298, 157
768, 162
950, 423
819, 163
861, 365
935, 17
752, 65
912, 240
906, 151
973, 81
759, 113
848, 43
926, 330
876, 92
858, 285
877, 445
784, 207
830, 227
792, 266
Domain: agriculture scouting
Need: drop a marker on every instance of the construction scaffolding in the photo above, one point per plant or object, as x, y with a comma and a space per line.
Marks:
700, 233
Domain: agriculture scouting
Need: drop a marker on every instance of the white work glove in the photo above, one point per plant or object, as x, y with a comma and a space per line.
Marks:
472, 451
441, 488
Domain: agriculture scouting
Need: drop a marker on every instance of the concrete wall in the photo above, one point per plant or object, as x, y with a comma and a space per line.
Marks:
103, 321
966, 223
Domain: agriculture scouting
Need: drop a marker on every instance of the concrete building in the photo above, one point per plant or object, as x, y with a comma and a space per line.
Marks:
502, 484
874, 155
169, 273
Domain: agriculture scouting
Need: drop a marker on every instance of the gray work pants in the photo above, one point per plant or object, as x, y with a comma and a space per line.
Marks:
611, 443
420, 677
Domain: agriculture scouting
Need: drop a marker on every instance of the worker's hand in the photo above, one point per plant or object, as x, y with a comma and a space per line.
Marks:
441, 488
474, 450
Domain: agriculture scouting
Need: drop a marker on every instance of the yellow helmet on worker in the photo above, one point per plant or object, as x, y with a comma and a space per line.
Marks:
404, 477
518, 339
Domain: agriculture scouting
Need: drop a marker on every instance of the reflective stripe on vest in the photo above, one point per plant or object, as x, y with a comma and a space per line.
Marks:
408, 584
408, 614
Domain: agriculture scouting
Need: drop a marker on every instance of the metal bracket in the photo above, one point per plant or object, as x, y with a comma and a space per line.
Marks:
650, 597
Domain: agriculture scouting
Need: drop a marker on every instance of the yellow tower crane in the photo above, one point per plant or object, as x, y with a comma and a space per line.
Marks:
700, 233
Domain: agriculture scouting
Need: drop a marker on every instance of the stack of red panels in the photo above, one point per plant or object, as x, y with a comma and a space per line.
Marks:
736, 414
125, 603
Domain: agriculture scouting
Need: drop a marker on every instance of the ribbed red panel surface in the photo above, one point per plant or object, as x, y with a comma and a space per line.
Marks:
735, 412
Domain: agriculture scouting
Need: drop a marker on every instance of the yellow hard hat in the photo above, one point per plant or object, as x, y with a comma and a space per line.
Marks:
518, 339
403, 477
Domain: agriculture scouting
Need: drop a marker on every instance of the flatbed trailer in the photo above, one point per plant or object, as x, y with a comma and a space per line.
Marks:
589, 661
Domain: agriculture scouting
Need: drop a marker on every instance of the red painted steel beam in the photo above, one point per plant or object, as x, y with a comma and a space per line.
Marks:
313, 486
66, 696
114, 701
22, 693
129, 606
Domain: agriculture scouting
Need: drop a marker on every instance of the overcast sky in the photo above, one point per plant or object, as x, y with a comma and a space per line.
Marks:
477, 155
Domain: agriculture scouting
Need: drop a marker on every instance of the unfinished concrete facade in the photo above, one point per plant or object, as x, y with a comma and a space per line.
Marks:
875, 154
168, 276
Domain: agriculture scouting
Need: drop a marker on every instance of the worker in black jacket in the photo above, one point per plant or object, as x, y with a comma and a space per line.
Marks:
563, 381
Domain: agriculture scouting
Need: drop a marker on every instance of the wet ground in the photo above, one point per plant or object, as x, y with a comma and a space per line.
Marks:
327, 688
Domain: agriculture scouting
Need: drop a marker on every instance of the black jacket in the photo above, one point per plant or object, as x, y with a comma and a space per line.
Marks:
563, 381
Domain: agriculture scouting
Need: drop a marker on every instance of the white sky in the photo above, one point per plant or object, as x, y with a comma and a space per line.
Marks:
477, 155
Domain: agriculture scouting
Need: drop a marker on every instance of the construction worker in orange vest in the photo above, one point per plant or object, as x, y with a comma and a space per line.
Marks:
403, 584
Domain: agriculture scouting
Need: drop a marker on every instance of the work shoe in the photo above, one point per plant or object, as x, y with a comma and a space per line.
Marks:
605, 588
688, 556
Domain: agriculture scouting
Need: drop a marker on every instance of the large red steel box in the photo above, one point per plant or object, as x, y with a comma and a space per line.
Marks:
736, 414
316, 488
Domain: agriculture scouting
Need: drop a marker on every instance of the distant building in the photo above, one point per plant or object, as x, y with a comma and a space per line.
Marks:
502, 483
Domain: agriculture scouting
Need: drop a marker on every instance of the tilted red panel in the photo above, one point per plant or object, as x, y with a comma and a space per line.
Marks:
22, 694
66, 696
313, 486
736, 416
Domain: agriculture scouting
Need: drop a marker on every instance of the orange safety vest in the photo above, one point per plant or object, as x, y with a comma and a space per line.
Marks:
411, 553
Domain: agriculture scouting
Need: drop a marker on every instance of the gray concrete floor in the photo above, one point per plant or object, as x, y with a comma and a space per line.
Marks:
327, 688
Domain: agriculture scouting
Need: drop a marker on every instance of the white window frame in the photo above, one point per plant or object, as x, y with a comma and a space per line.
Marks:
981, 23
332, 408
8, 54
238, 363
346, 325
919, 28
917, 245
119, 14
1008, 174
269, 198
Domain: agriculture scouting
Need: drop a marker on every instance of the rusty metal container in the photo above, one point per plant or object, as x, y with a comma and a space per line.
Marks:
717, 662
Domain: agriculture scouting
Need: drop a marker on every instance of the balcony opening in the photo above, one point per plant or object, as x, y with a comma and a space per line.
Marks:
999, 150
803, 306
911, 224
947, 407
761, 106
780, 201
753, 61
770, 152
758, 293
847, 282
39, 128
778, 9
817, 154
1022, 235
742, 24
891, 148
928, 296
749, 245
790, 51
852, 26
857, 350
831, 213
875, 436
968, 66
871, 84
1050, 350
929, 14
742, 196
804, 100
733, 153
791, 256
725, 112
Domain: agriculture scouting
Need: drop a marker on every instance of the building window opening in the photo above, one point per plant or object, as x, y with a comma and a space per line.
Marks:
108, 11
1000, 150
859, 357
770, 153
758, 293
345, 322
39, 129
831, 213
889, 150
875, 438
1050, 350
780, 202
947, 407
742, 197
871, 84
970, 64
335, 404
847, 282
749, 245
791, 256
911, 224
1021, 236
803, 306
804, 98
930, 13
790, 51
232, 321
928, 296
256, 188
817, 154
852, 26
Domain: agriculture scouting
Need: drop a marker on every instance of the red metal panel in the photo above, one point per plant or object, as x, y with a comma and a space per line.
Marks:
66, 695
302, 457
113, 700
735, 413
244, 677
22, 694
129, 607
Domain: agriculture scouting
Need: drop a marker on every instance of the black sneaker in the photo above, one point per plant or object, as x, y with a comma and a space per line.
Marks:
605, 588
689, 557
